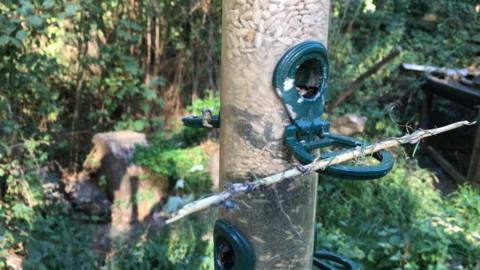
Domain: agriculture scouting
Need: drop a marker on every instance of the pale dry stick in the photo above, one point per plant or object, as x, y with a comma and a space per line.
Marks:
239, 188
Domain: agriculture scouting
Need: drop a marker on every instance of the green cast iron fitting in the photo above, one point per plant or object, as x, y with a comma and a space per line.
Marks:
232, 250
207, 120
301, 80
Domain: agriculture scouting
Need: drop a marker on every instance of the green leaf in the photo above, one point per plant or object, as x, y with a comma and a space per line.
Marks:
27, 8
9, 29
34, 21
4, 40
146, 108
139, 125
21, 211
131, 66
71, 9
16, 42
48, 4
396, 257
20, 35
149, 94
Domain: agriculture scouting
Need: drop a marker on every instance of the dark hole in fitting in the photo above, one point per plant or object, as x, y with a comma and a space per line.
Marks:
308, 78
225, 254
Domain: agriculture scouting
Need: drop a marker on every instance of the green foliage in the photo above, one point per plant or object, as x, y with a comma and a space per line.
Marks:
28, 99
68, 70
184, 246
211, 102
54, 241
400, 222
429, 34
58, 242
189, 164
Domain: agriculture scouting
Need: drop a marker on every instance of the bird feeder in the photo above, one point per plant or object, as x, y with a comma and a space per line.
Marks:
274, 77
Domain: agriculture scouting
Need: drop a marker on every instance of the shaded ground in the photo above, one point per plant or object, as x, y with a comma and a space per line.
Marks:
445, 183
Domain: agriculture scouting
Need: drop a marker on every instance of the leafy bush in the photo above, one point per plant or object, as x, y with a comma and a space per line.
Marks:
60, 242
189, 164
187, 246
400, 222
363, 32
211, 101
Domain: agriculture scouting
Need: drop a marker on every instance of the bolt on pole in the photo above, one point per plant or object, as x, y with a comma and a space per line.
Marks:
278, 221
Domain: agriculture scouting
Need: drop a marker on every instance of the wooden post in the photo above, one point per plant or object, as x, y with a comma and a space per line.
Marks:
278, 221
426, 109
474, 167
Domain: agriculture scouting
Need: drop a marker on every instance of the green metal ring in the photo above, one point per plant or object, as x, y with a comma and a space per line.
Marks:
302, 151
285, 74
353, 172
242, 256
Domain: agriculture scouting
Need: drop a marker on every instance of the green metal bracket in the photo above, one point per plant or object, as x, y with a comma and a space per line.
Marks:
206, 120
301, 80
232, 251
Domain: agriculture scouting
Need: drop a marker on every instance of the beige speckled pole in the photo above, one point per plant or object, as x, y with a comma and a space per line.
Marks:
279, 221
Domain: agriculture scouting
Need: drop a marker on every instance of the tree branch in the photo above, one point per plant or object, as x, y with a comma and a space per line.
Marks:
359, 81
246, 187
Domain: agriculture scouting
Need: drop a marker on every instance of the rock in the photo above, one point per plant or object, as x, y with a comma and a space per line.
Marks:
173, 204
86, 195
348, 124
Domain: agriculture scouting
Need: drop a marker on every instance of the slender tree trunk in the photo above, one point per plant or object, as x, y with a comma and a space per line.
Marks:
148, 60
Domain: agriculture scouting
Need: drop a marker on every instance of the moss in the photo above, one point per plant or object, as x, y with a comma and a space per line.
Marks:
189, 164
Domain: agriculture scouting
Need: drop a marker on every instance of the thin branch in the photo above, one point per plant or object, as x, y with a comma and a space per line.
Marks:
321, 164
357, 11
82, 52
351, 87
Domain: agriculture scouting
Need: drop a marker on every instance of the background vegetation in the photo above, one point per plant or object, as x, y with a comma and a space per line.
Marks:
71, 69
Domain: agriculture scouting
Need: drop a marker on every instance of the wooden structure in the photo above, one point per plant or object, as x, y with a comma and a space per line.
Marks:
462, 88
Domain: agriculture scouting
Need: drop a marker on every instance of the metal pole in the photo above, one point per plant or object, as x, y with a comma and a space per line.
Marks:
278, 222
